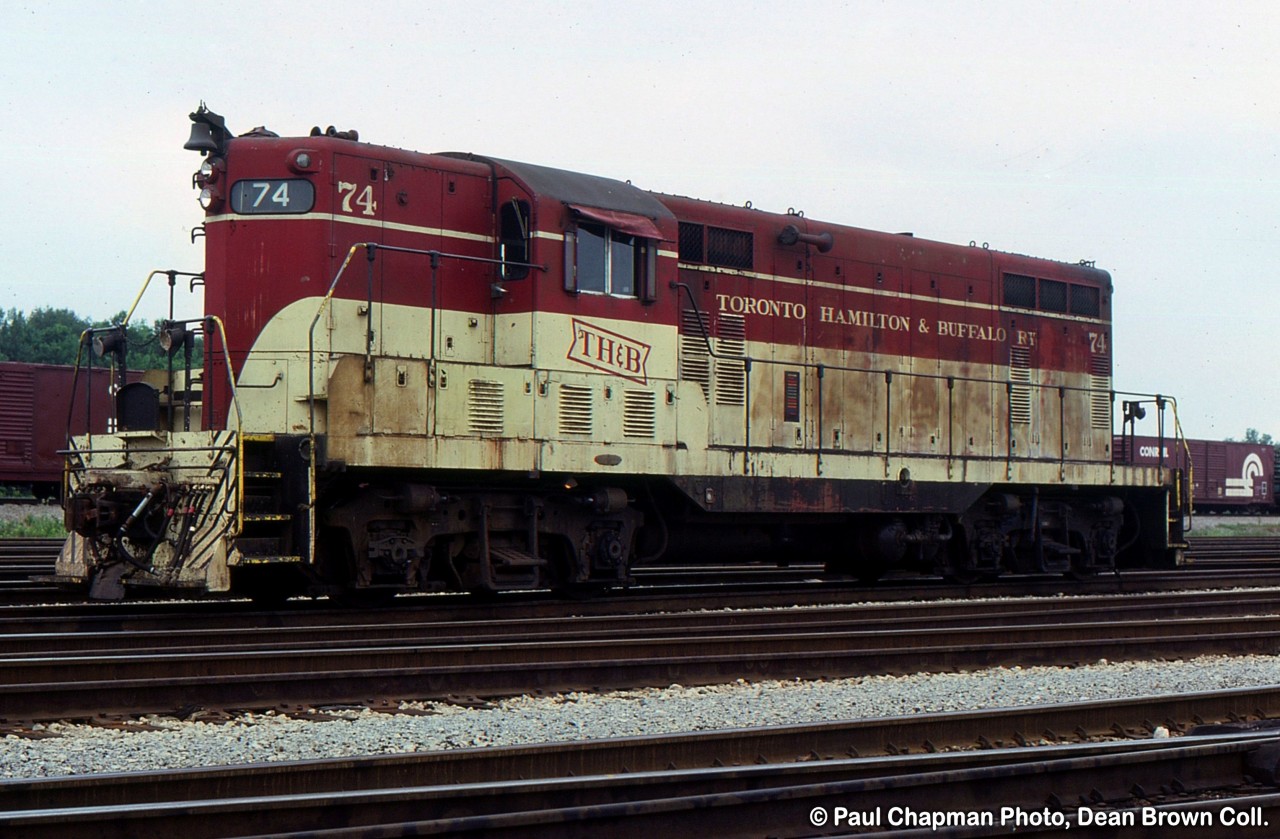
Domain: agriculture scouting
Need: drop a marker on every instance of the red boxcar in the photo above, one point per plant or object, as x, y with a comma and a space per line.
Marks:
36, 405
1227, 477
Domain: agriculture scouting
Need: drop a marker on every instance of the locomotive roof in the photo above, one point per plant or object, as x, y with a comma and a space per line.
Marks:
577, 188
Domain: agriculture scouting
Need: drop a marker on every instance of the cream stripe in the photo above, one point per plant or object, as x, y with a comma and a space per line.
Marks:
363, 222
898, 295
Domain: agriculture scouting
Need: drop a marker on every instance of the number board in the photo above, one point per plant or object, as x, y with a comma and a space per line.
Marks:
293, 195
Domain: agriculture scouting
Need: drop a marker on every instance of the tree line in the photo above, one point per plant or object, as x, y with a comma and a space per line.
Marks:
1252, 435
52, 336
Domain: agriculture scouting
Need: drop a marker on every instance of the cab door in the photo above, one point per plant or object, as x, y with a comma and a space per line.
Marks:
514, 288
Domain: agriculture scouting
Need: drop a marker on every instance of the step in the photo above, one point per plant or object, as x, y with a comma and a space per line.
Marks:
514, 558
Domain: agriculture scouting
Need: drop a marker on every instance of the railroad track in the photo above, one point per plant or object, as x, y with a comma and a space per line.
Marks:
782, 780
1216, 562
108, 650
265, 660
1223, 550
22, 560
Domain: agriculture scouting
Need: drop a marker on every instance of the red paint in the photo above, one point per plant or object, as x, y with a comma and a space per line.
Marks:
871, 294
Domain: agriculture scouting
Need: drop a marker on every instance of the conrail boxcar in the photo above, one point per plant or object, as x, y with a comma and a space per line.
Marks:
455, 371
1226, 476
40, 404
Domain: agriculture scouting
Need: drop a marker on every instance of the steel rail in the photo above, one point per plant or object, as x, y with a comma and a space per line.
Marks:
1134, 717
185, 634
53, 686
777, 799
1251, 563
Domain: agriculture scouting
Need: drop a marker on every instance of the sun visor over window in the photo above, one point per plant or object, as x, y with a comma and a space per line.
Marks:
623, 222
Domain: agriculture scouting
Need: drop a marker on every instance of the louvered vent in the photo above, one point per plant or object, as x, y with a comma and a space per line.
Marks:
1020, 392
731, 370
639, 413
1100, 392
485, 409
575, 409
695, 362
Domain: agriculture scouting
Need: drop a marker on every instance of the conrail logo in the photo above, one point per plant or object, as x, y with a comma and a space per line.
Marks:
609, 351
1153, 451
1251, 471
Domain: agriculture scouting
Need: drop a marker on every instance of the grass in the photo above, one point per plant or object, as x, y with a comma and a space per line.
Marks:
32, 527
1214, 526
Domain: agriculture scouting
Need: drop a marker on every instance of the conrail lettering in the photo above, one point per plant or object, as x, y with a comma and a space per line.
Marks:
740, 305
1153, 451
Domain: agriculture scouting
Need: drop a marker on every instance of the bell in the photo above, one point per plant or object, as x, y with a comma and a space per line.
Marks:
201, 139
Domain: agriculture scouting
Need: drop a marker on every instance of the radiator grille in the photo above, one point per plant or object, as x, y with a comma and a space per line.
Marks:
575, 409
485, 407
731, 369
1100, 392
1020, 389
695, 362
639, 413
1100, 402
730, 248
691, 242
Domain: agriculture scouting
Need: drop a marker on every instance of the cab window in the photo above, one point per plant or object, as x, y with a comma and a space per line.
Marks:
513, 239
601, 260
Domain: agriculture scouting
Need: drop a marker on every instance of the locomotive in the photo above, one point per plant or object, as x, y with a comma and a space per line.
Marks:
446, 371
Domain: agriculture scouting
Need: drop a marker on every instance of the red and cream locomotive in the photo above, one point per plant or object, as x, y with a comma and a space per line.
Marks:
448, 371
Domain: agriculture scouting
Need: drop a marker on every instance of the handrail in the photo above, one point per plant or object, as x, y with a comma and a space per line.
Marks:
145, 284
888, 374
231, 376
222, 332
311, 336
371, 248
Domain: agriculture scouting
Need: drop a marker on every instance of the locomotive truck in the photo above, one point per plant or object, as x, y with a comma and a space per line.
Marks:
453, 371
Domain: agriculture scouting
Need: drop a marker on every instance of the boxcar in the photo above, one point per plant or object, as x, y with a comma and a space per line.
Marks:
1226, 476
40, 406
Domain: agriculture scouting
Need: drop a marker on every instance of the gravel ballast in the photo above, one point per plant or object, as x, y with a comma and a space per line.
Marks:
257, 737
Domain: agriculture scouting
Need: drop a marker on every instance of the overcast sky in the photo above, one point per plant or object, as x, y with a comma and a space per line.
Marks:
1143, 136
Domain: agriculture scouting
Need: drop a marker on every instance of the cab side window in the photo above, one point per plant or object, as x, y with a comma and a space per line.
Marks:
602, 260
513, 239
